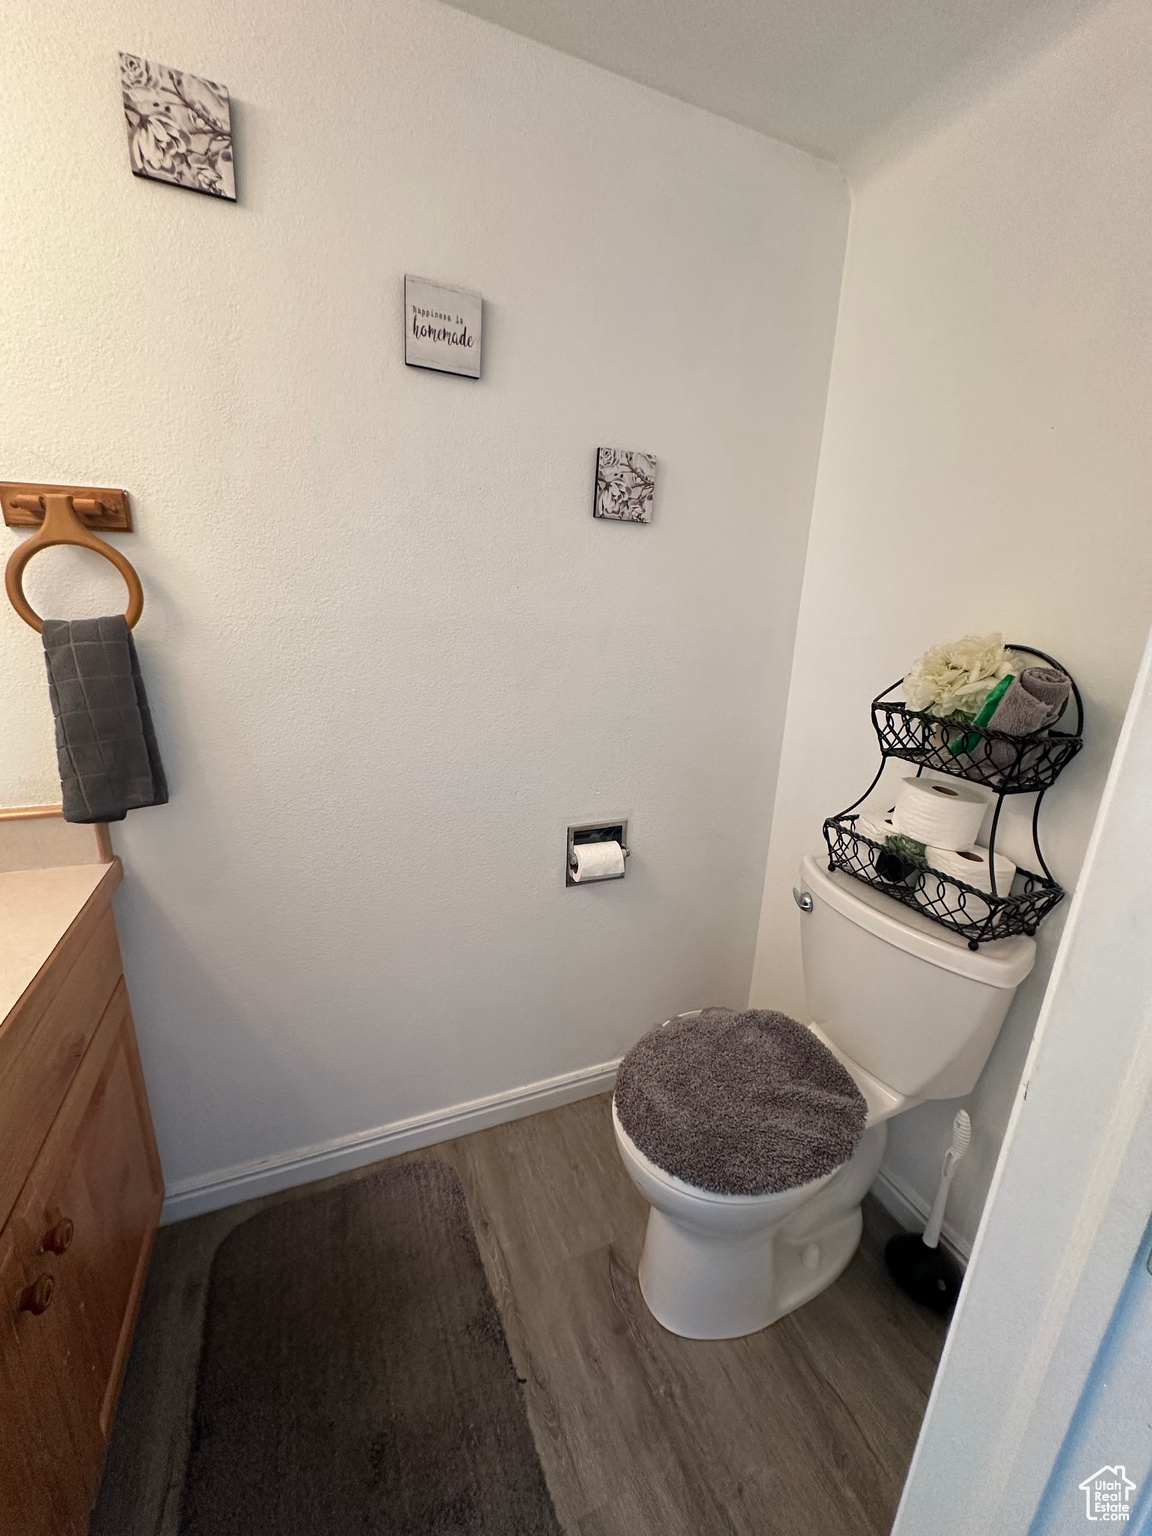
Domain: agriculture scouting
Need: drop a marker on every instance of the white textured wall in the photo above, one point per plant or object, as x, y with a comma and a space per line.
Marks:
391, 654
986, 464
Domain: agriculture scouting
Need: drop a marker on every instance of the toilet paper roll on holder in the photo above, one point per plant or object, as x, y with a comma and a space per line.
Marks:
627, 852
595, 832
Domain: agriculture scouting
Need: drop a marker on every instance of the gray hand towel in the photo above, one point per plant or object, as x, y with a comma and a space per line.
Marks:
1032, 702
105, 744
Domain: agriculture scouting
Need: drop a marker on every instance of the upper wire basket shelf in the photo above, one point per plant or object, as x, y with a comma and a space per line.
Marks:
1007, 765
1011, 765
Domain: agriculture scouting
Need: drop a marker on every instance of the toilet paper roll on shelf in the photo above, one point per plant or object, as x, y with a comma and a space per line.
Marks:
875, 825
973, 867
597, 861
939, 815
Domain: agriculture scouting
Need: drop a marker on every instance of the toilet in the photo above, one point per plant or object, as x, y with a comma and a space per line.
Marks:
912, 1014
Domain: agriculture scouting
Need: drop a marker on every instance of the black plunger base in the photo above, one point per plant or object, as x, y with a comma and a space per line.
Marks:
929, 1275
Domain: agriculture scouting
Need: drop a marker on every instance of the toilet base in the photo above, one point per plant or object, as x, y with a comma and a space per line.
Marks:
704, 1285
724, 1290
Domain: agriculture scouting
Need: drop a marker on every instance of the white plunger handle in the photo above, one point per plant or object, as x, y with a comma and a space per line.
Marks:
936, 1219
961, 1137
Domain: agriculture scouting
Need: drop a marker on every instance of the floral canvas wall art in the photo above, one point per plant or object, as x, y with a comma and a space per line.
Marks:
179, 127
625, 485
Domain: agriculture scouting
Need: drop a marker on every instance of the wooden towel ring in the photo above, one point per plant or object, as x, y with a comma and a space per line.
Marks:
62, 526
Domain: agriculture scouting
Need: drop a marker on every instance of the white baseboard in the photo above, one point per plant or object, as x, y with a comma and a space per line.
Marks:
266, 1175
912, 1213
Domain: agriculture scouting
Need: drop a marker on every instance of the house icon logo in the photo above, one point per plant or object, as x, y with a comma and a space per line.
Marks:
1108, 1494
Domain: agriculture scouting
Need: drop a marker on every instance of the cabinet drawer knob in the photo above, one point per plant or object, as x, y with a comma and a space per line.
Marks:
36, 1297
58, 1239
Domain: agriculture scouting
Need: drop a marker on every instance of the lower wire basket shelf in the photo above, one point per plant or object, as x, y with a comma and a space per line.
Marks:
976, 915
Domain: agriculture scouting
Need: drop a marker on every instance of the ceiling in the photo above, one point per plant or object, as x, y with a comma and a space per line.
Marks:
836, 77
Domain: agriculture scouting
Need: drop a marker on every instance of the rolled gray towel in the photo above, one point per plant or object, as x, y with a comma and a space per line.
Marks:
1032, 702
105, 743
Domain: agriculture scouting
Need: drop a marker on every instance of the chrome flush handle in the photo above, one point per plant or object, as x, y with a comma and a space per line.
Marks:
803, 900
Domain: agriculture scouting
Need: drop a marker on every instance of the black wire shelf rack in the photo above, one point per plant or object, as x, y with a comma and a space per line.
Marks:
1007, 765
975, 915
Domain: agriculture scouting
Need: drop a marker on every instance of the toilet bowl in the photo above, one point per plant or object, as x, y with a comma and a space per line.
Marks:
720, 1266
921, 1012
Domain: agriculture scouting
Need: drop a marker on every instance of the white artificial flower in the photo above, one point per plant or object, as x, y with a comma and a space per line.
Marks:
956, 678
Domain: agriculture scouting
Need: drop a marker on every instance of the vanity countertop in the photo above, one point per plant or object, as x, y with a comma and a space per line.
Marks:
37, 907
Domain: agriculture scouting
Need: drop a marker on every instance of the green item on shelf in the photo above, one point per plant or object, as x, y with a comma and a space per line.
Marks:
908, 848
970, 742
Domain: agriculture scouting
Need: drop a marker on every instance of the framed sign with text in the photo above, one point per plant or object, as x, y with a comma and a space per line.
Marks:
442, 327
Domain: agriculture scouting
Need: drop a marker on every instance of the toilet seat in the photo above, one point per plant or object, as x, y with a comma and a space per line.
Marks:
707, 1200
738, 1106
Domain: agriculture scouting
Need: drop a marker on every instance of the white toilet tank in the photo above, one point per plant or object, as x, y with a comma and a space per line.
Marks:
904, 998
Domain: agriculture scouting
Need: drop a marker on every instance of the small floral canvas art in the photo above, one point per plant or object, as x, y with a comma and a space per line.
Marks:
625, 485
179, 127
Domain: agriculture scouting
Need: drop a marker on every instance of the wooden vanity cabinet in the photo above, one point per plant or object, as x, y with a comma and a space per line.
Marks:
77, 1228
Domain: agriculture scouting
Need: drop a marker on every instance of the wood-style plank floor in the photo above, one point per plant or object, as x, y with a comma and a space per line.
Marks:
805, 1427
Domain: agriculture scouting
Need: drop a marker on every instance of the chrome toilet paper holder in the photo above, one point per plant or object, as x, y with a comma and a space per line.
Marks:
595, 832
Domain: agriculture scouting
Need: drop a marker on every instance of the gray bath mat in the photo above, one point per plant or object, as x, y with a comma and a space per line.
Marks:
355, 1379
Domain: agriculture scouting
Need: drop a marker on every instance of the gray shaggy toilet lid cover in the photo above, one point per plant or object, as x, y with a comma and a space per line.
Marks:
739, 1103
